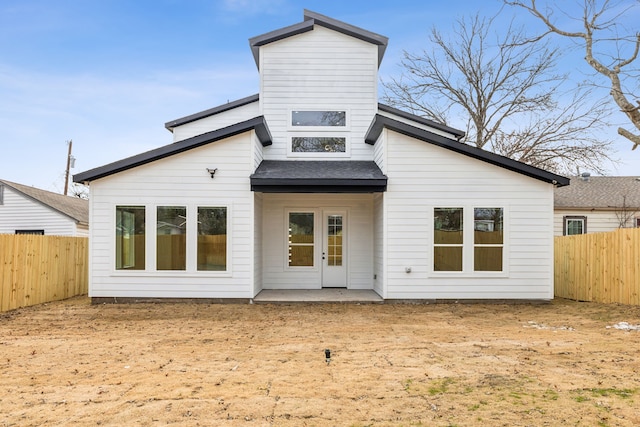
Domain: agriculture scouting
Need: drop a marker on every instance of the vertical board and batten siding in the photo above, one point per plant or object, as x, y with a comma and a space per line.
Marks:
319, 69
216, 121
19, 212
179, 180
423, 176
359, 230
597, 221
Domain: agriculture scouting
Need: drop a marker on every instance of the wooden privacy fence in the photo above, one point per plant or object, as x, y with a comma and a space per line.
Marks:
599, 267
36, 269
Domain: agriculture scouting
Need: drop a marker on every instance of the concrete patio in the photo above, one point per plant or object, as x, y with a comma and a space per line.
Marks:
335, 295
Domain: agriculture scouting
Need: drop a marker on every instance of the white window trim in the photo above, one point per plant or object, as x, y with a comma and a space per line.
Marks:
468, 244
317, 245
192, 242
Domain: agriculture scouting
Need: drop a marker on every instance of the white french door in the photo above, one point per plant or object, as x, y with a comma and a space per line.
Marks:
334, 245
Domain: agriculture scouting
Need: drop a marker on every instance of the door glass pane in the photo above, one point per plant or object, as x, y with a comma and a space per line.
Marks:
171, 233
130, 237
301, 239
212, 239
334, 240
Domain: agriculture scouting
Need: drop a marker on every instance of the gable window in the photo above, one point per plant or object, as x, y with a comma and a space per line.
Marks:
574, 225
314, 144
488, 239
130, 237
319, 118
301, 239
171, 238
212, 239
318, 132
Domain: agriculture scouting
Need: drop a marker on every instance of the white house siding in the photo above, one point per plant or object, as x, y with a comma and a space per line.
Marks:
417, 124
216, 121
180, 180
379, 245
597, 221
319, 69
359, 207
423, 176
19, 212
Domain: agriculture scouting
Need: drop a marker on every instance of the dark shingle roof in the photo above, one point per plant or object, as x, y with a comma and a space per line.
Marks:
211, 111
316, 176
600, 192
73, 207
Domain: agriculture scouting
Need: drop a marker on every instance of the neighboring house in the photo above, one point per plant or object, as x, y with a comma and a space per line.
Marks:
594, 204
29, 210
312, 183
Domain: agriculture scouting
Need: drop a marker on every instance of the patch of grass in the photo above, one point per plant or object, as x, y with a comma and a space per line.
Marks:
624, 393
550, 394
440, 387
580, 398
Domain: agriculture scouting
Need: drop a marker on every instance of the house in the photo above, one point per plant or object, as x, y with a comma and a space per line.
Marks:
29, 210
311, 183
593, 204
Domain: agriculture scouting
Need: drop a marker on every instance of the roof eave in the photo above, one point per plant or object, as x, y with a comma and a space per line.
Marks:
170, 125
380, 122
258, 124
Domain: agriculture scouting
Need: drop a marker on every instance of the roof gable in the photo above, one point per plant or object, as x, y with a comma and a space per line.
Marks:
310, 20
258, 124
73, 207
381, 122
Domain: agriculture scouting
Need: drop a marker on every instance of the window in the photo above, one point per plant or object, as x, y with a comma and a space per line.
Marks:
488, 239
319, 118
1, 194
575, 225
171, 238
457, 248
130, 237
212, 239
301, 239
447, 239
638, 222
314, 144
37, 232
318, 132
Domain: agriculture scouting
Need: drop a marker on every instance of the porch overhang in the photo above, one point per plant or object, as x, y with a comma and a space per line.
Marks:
293, 176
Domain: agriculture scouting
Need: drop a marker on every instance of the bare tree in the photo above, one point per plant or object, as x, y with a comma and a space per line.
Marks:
625, 213
506, 92
607, 50
79, 190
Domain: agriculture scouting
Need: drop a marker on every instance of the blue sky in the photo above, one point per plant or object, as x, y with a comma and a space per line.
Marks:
108, 74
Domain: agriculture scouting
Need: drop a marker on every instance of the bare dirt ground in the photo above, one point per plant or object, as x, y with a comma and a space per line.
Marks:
561, 364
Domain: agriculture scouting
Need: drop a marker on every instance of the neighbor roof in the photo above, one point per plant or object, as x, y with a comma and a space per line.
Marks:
318, 176
599, 192
257, 124
380, 122
310, 20
74, 207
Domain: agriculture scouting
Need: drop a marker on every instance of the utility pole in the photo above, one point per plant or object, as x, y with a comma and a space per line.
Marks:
70, 163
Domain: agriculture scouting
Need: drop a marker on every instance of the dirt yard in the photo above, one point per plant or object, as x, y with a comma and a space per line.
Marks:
561, 364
